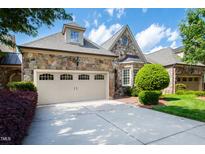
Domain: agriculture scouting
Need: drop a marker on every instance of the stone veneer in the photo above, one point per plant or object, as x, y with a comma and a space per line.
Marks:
183, 70
9, 74
62, 61
121, 51
171, 88
119, 89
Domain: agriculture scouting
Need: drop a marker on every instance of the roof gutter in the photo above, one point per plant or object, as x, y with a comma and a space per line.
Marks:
66, 51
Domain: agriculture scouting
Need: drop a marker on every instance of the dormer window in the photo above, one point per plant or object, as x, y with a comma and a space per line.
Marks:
74, 36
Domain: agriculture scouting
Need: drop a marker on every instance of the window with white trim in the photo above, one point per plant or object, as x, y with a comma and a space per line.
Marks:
126, 77
66, 77
83, 77
74, 36
46, 77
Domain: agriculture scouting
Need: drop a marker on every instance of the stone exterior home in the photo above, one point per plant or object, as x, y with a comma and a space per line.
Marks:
66, 66
190, 75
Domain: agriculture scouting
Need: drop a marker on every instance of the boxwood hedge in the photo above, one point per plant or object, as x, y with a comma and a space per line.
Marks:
152, 77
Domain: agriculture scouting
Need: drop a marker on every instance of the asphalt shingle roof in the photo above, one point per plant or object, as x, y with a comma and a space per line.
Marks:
57, 42
165, 57
107, 44
131, 58
11, 58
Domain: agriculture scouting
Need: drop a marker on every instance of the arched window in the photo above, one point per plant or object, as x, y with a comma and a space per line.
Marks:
83, 77
125, 41
46, 77
66, 77
99, 77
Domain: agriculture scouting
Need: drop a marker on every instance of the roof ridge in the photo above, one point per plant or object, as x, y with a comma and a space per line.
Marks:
95, 44
40, 39
114, 34
158, 50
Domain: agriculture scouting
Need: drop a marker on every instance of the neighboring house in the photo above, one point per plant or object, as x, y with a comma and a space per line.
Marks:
66, 66
180, 72
10, 64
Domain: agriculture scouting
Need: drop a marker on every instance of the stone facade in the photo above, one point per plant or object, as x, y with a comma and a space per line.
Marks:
119, 89
9, 73
62, 61
121, 51
191, 71
184, 71
171, 88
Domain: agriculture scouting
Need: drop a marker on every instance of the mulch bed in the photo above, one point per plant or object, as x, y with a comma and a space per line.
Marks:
135, 101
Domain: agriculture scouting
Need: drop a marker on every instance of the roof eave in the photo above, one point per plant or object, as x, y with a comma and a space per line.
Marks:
47, 49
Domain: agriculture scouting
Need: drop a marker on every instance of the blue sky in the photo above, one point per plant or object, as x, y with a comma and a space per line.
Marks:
152, 28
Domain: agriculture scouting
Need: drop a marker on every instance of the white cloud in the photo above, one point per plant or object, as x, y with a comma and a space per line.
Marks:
144, 10
153, 35
110, 11
173, 45
74, 18
118, 11
102, 33
87, 24
96, 22
173, 36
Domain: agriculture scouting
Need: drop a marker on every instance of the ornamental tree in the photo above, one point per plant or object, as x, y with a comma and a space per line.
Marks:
192, 30
27, 21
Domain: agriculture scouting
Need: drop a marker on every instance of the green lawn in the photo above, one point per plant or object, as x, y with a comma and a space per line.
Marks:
183, 105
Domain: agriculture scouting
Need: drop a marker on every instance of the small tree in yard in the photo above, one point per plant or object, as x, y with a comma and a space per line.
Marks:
192, 30
150, 80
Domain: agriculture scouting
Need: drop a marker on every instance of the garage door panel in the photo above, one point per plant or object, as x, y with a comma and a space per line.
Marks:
69, 88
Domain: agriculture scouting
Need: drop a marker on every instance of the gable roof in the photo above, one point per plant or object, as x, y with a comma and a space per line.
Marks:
111, 41
131, 59
165, 57
56, 42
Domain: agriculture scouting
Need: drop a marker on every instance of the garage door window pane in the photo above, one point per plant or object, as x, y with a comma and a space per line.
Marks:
196, 79
66, 77
99, 77
46, 77
83, 77
184, 79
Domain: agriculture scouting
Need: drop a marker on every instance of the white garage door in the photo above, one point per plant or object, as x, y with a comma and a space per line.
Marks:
59, 87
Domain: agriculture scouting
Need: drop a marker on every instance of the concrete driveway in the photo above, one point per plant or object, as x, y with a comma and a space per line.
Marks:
110, 122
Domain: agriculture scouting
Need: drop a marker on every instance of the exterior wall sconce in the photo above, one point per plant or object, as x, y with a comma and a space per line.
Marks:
77, 61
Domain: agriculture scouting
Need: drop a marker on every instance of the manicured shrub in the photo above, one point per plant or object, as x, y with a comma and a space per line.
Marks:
180, 86
149, 97
127, 91
23, 85
190, 92
134, 91
152, 77
17, 110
